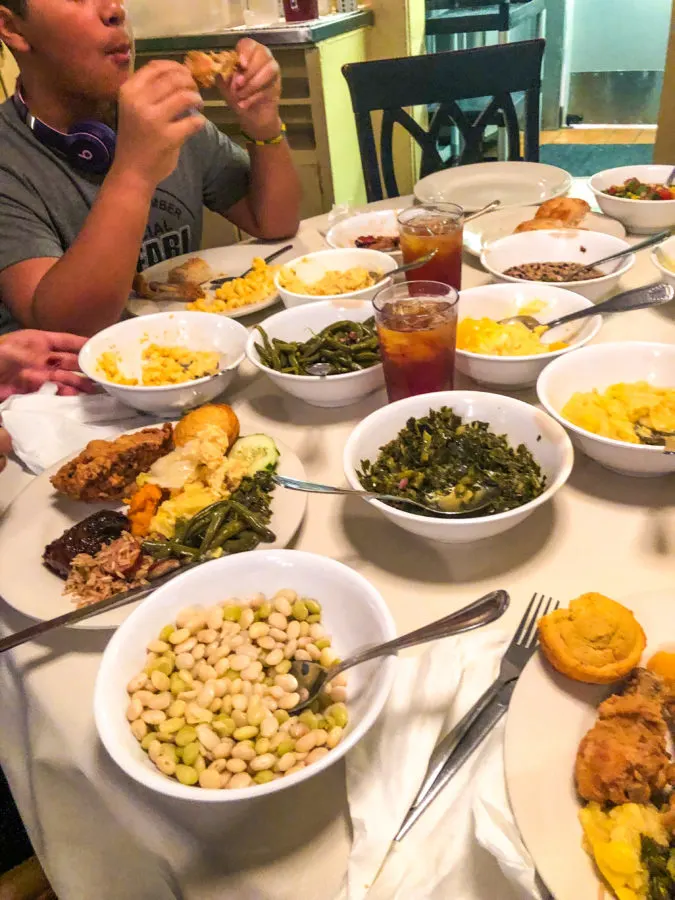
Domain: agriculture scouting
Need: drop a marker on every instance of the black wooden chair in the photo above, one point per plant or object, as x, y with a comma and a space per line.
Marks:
441, 81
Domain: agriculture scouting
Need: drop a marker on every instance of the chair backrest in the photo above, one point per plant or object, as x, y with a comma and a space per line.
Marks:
443, 79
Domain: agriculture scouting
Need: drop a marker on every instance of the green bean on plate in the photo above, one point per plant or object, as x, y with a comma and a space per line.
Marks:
443, 461
226, 526
346, 346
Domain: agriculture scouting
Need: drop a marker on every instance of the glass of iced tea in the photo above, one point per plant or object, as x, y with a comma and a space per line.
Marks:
417, 325
433, 226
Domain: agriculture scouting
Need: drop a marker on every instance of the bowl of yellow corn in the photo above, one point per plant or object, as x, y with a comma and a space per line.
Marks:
166, 362
511, 355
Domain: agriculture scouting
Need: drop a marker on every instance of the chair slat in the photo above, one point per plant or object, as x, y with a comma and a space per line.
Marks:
442, 80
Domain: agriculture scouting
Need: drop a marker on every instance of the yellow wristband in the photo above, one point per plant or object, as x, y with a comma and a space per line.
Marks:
269, 141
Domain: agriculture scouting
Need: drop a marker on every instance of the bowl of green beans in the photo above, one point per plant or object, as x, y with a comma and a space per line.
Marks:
341, 337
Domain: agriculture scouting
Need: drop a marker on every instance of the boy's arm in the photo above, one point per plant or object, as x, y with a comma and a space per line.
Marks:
86, 289
271, 208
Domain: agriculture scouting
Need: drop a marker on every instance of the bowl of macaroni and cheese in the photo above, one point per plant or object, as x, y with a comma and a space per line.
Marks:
334, 275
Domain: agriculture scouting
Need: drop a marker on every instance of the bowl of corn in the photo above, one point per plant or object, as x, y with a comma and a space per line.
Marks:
194, 694
511, 356
167, 362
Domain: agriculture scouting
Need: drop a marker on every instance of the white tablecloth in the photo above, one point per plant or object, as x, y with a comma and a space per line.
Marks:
101, 836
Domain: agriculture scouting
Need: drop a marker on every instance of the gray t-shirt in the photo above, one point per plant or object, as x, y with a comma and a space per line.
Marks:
44, 202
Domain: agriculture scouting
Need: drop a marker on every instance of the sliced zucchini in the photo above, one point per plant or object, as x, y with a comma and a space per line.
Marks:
257, 451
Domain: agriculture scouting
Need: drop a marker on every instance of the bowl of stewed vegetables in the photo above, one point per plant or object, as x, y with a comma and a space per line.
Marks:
195, 696
638, 196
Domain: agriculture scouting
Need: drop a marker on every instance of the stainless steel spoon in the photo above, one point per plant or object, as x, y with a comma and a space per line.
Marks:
406, 267
312, 677
649, 242
638, 298
482, 499
489, 207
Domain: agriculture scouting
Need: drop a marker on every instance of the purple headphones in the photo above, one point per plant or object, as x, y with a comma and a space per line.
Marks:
88, 146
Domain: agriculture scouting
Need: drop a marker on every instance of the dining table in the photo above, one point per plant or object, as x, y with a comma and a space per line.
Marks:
99, 835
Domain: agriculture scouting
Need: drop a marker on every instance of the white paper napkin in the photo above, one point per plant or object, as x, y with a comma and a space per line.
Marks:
466, 845
45, 427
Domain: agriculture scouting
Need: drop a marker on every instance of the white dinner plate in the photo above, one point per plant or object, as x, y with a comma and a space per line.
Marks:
514, 183
231, 260
548, 716
502, 222
343, 235
39, 515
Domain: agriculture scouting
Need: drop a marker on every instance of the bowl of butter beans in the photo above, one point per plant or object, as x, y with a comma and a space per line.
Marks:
195, 697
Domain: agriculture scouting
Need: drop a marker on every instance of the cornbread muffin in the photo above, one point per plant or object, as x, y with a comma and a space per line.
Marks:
596, 640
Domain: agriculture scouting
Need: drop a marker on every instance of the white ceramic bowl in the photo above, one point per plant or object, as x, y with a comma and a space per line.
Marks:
599, 367
196, 330
638, 216
313, 266
354, 614
520, 422
560, 246
498, 301
300, 324
667, 249
376, 222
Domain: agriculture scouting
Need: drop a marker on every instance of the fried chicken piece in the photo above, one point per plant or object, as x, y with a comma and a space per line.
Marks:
105, 470
624, 758
193, 271
205, 67
158, 290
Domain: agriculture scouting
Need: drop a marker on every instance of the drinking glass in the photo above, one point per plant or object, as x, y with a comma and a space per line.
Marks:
301, 10
433, 226
417, 326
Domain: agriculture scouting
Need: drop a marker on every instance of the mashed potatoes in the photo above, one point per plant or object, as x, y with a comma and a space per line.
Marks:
255, 287
616, 412
486, 336
613, 839
162, 365
331, 283
196, 474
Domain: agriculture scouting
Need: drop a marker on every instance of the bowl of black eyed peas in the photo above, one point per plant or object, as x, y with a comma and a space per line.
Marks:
195, 697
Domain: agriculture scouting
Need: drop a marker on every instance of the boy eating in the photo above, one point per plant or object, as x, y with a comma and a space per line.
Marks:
104, 173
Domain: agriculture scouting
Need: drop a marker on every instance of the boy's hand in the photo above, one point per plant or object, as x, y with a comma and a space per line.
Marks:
29, 359
155, 120
254, 90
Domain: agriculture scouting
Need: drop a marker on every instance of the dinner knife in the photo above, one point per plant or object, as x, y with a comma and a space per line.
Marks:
94, 609
482, 725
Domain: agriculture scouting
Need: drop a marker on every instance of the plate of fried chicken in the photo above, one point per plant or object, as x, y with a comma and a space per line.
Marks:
590, 768
123, 512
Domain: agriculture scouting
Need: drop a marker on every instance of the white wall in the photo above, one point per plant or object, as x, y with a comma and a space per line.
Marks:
618, 35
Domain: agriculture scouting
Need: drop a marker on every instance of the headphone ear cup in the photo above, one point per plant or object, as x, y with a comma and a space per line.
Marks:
90, 146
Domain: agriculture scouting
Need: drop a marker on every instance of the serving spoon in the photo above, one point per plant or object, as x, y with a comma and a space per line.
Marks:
483, 497
649, 242
312, 677
637, 298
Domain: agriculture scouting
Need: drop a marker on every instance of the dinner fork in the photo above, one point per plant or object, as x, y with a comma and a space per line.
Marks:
473, 728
